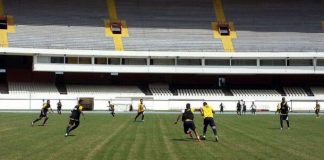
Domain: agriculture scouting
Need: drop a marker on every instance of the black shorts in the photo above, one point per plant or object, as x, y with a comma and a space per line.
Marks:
284, 117
139, 113
209, 121
238, 110
317, 111
188, 125
73, 121
43, 114
59, 108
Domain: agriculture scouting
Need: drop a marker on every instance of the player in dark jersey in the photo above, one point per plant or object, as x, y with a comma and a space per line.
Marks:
284, 109
244, 108
111, 108
238, 108
44, 113
188, 121
221, 108
317, 109
75, 118
59, 107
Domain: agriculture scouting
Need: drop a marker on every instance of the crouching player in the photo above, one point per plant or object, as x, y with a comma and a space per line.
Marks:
188, 123
75, 118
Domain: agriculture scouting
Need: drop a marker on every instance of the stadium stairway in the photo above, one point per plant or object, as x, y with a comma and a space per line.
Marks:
281, 91
145, 89
173, 91
227, 92
4, 84
60, 83
308, 91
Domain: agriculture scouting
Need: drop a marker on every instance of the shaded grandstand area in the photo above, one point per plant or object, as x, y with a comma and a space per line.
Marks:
164, 25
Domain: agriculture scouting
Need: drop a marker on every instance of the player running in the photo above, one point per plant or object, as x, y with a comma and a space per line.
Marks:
208, 113
75, 118
111, 108
44, 113
59, 107
284, 109
188, 121
317, 109
140, 111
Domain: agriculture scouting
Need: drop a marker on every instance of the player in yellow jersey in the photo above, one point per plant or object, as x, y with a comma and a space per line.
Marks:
44, 113
208, 113
278, 108
317, 109
140, 111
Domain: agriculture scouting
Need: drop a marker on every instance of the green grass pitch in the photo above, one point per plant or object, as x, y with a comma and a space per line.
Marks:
101, 136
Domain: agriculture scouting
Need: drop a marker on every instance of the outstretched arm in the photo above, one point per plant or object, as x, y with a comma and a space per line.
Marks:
201, 112
82, 115
177, 119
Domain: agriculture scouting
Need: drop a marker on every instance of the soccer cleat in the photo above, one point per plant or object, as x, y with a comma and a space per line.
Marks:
32, 124
281, 128
288, 128
216, 138
143, 120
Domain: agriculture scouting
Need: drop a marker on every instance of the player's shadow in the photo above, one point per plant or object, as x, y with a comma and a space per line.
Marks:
71, 135
273, 128
182, 139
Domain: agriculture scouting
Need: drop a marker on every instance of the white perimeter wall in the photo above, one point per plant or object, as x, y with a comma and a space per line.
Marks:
122, 104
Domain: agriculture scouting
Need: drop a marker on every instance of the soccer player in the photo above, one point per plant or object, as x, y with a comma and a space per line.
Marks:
278, 108
317, 109
221, 108
208, 113
59, 107
188, 121
284, 109
44, 113
238, 108
111, 108
140, 111
244, 108
253, 108
75, 118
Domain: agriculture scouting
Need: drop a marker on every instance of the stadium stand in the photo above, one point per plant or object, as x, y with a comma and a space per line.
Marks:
35, 90
295, 91
318, 91
58, 24
165, 25
160, 90
200, 92
276, 25
103, 91
255, 92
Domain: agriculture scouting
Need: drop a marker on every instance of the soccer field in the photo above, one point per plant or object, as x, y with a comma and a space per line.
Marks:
100, 136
